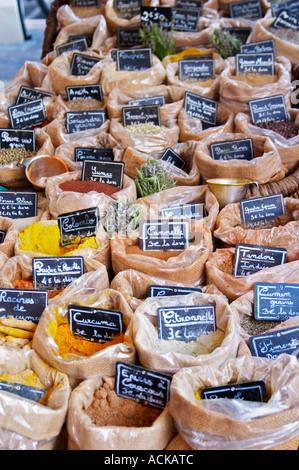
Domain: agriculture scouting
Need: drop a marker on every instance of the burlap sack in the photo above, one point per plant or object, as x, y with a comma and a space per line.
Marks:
199, 38
91, 294
41, 214
188, 264
189, 175
284, 233
84, 435
265, 164
219, 272
24, 424
234, 94
287, 148
87, 11
238, 424
62, 202
114, 20
93, 258
7, 247
170, 361
130, 80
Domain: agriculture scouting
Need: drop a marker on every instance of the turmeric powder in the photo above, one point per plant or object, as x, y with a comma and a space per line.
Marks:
26, 377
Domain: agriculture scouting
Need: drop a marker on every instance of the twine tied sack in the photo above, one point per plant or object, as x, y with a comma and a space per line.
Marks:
265, 164
169, 356
189, 264
219, 269
287, 148
77, 366
25, 424
232, 424
84, 435
283, 233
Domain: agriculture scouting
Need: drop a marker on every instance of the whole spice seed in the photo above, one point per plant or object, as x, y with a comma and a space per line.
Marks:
81, 186
286, 129
84, 104
14, 155
144, 129
287, 34
252, 326
256, 80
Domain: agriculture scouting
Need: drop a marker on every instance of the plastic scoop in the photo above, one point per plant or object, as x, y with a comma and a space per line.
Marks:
39, 169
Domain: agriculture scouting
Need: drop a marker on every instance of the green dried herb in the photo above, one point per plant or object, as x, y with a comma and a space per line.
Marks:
159, 40
122, 217
14, 155
153, 177
225, 43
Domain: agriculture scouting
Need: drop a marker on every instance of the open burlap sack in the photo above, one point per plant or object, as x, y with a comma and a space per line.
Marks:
219, 272
287, 148
7, 247
283, 233
62, 202
265, 164
235, 94
84, 435
114, 20
233, 424
77, 366
93, 258
189, 175
201, 37
25, 424
87, 11
170, 356
188, 264
42, 213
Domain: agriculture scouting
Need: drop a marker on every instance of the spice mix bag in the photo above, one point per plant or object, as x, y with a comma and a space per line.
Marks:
234, 424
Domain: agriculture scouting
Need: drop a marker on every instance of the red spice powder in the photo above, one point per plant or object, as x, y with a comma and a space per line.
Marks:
81, 186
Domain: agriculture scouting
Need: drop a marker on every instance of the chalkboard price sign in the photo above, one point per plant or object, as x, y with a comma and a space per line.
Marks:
142, 385
242, 32
260, 47
79, 45
272, 345
51, 273
82, 64
186, 323
134, 59
148, 114
84, 92
91, 153
78, 121
268, 109
27, 115
128, 37
194, 70
95, 324
291, 7
105, 172
240, 149
18, 205
161, 16
77, 37
172, 157
259, 211
78, 224
276, 301
22, 390
31, 94
162, 291
153, 100
287, 19
193, 4
15, 138
251, 10
185, 19
23, 304
253, 258
2, 235
192, 211
254, 64
165, 235
252, 391
127, 9
200, 107
85, 3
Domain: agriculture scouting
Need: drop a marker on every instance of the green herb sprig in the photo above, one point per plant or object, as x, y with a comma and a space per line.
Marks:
225, 43
159, 40
153, 177
122, 217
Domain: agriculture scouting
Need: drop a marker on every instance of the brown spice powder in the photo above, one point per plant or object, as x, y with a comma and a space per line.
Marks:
255, 80
84, 104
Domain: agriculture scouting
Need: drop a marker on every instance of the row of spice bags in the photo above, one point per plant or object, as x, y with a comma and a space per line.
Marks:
75, 386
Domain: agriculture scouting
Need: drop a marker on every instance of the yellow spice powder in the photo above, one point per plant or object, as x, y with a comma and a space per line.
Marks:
26, 377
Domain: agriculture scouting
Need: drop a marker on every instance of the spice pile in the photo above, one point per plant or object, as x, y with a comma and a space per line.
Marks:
85, 186
14, 155
286, 128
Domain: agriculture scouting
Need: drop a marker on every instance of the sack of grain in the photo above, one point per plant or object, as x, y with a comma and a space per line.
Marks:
283, 232
25, 424
234, 424
287, 147
265, 164
219, 268
170, 355
100, 428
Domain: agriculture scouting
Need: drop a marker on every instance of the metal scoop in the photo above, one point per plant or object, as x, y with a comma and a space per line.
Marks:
38, 169
229, 190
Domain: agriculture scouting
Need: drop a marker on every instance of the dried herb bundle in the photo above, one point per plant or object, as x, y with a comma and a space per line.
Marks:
225, 43
159, 40
153, 177
122, 217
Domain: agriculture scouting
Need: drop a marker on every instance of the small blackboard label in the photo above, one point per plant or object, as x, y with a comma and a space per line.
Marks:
276, 301
78, 45
104, 171
250, 259
272, 345
172, 157
268, 109
291, 6
77, 37
127, 8
128, 37
185, 19
200, 107
15, 138
78, 224
152, 100
251, 10
142, 385
193, 4
287, 19
260, 47
78, 121
255, 64
85, 3
162, 291
164, 235
240, 149
84, 92
27, 115
31, 94
161, 16
95, 324
133, 59
149, 114
252, 391
51, 273
82, 64
91, 153
23, 304
194, 70
18, 205
2, 236
259, 211
193, 211
241, 32
186, 323
25, 391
